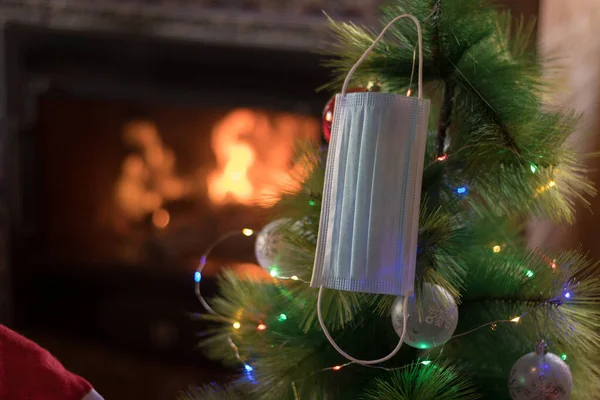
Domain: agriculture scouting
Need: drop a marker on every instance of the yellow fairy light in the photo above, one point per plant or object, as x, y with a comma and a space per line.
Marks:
408, 93
247, 231
236, 325
496, 249
516, 320
294, 278
543, 188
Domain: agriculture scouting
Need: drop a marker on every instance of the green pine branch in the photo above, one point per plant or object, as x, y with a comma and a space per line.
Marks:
418, 381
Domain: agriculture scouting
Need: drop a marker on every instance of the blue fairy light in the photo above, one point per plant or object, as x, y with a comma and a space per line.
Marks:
568, 295
249, 376
462, 190
197, 276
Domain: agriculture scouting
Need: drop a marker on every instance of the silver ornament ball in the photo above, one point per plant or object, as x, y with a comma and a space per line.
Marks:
541, 376
434, 324
268, 245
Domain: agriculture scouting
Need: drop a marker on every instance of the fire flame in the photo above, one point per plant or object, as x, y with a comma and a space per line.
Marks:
148, 178
255, 157
254, 152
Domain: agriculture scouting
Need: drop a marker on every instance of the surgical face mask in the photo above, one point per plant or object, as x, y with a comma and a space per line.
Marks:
370, 210
369, 219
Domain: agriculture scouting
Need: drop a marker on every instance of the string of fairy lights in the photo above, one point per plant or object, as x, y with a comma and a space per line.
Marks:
236, 325
283, 317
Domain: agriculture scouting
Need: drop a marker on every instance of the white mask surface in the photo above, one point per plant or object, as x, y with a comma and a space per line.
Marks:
369, 218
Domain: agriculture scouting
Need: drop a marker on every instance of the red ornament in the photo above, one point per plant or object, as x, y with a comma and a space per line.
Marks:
327, 117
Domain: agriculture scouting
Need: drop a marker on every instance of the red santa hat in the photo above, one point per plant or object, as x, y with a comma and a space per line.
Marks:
28, 372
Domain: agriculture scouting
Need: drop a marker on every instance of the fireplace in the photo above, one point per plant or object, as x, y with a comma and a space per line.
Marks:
128, 156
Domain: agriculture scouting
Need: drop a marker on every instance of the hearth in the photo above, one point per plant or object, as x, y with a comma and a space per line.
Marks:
130, 155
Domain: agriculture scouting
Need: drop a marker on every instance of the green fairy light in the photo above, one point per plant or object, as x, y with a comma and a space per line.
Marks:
529, 273
274, 272
312, 202
533, 167
426, 362
282, 317
563, 356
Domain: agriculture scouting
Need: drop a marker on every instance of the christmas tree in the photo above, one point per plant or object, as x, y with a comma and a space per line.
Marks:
496, 154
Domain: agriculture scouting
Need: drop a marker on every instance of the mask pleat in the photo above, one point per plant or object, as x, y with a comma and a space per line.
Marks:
347, 202
366, 167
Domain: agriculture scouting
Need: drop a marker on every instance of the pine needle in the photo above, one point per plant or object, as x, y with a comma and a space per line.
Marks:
423, 382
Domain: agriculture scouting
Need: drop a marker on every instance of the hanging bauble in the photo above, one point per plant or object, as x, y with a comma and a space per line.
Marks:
434, 324
540, 375
268, 245
305, 229
327, 116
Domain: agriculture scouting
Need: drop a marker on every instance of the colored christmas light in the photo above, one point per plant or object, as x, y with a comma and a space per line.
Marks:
461, 190
337, 367
197, 276
236, 325
248, 368
261, 327
282, 317
273, 272
247, 232
496, 249
529, 273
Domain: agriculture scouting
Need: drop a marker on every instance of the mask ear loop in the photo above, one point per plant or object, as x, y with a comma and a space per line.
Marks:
408, 294
366, 53
348, 356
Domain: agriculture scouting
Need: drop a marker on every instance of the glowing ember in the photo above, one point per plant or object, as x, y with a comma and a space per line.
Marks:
160, 218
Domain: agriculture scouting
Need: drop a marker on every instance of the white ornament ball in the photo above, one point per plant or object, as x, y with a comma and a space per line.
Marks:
268, 245
436, 322
540, 376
